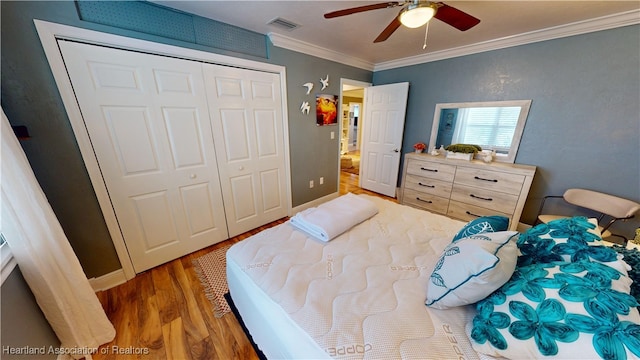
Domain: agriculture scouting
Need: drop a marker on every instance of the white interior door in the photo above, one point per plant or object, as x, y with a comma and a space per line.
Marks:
148, 121
248, 131
384, 111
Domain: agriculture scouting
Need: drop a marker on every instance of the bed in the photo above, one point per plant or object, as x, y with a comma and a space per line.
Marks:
388, 289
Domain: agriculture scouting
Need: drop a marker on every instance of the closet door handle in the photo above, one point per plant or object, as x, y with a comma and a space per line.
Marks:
480, 197
483, 179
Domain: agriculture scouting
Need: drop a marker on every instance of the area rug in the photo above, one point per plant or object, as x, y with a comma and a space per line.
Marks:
352, 170
212, 272
352, 165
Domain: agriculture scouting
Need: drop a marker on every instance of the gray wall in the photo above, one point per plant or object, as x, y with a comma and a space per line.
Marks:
583, 128
23, 323
313, 153
30, 97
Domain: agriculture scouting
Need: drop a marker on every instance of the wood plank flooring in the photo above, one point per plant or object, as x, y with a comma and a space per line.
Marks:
163, 313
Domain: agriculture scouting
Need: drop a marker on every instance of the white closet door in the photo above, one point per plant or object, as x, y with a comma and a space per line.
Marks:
248, 131
148, 121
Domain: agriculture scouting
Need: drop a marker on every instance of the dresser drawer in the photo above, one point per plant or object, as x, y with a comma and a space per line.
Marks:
428, 185
433, 170
493, 200
468, 212
425, 201
493, 180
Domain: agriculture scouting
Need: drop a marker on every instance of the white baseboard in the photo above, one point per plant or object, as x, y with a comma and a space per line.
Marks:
108, 281
313, 203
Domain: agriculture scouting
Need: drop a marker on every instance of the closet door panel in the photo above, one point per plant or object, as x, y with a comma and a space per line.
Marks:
248, 130
235, 125
185, 137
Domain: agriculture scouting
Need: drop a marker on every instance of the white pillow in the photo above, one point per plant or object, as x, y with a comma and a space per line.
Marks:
471, 268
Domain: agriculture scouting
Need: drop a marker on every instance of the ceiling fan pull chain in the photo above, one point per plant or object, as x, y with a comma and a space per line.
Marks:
426, 31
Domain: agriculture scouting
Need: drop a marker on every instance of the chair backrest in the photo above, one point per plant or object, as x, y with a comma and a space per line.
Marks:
614, 206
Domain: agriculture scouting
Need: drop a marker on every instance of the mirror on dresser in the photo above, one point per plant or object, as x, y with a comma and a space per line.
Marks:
494, 125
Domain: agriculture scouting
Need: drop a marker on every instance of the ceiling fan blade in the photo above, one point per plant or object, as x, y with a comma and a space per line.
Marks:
358, 9
456, 18
390, 29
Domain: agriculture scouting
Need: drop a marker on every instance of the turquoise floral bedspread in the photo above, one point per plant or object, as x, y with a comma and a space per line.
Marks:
569, 298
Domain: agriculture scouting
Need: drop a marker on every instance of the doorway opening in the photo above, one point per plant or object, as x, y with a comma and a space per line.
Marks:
352, 101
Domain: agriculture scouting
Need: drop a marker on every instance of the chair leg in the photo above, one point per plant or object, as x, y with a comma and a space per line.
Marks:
624, 239
544, 199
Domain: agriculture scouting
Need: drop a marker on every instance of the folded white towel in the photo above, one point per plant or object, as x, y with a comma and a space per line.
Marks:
334, 217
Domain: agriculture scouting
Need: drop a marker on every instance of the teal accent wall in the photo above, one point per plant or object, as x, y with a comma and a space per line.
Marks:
23, 323
29, 96
583, 128
150, 18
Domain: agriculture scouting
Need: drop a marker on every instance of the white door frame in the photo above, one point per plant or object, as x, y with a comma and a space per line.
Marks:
49, 33
360, 84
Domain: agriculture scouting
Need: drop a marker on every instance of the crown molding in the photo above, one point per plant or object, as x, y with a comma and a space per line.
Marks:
581, 27
317, 51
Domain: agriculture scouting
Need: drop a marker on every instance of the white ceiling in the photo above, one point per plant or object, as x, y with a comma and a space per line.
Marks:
351, 37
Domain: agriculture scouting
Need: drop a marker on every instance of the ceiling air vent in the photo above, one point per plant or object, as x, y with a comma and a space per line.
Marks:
283, 24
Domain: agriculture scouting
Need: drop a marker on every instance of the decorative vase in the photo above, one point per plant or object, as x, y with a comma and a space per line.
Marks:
418, 151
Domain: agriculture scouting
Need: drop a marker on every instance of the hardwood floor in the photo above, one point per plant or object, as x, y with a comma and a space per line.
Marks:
349, 183
163, 313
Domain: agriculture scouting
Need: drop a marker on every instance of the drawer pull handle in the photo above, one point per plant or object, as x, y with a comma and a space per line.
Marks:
425, 169
483, 179
472, 214
427, 201
426, 185
480, 197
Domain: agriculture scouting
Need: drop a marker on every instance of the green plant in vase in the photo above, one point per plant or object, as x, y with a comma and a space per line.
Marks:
464, 148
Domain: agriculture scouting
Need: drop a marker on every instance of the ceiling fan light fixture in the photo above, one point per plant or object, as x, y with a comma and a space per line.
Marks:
416, 15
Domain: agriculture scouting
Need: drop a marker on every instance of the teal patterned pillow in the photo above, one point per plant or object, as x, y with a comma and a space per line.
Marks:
570, 239
481, 225
632, 258
472, 268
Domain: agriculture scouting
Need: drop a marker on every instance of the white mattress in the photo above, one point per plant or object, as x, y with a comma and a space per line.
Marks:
358, 296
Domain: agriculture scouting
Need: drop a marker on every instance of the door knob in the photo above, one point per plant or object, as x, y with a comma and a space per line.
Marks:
193, 176
396, 150
240, 167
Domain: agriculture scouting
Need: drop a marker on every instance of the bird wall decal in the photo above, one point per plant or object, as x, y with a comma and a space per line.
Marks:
309, 86
305, 107
325, 82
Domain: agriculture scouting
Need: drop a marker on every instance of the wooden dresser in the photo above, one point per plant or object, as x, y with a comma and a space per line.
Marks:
466, 189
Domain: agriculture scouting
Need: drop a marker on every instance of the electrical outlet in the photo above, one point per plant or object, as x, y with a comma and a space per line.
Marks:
333, 135
310, 184
321, 180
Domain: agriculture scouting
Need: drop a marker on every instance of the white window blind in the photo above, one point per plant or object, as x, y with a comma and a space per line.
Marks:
490, 127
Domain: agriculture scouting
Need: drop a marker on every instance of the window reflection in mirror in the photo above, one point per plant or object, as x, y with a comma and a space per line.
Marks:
492, 125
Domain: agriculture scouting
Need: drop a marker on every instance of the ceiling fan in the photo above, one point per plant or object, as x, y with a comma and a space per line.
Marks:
414, 13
